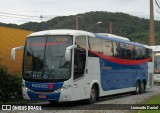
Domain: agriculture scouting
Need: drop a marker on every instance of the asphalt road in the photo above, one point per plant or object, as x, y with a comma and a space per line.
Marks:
100, 106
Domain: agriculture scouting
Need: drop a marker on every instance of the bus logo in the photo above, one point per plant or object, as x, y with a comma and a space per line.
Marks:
45, 86
40, 86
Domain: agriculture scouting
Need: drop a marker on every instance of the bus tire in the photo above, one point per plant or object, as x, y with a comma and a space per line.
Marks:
137, 91
93, 95
142, 88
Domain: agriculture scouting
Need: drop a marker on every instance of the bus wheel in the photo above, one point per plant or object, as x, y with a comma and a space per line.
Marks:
93, 95
142, 90
137, 91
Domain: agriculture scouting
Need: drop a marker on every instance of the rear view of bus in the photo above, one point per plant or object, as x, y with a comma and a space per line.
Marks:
157, 68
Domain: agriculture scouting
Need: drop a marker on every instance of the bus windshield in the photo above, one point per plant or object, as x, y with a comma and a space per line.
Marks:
44, 58
157, 65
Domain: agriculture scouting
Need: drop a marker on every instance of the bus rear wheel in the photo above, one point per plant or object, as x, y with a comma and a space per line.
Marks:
137, 91
93, 95
143, 87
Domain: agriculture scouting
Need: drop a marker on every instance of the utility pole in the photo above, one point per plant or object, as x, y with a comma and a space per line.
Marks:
77, 22
110, 27
152, 32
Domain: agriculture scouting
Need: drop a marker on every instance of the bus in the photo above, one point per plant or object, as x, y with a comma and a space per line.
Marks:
69, 65
157, 68
156, 58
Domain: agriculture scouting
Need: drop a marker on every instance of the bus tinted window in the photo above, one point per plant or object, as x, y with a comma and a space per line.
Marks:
123, 51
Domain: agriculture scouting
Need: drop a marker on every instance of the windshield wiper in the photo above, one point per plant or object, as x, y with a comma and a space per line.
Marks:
60, 60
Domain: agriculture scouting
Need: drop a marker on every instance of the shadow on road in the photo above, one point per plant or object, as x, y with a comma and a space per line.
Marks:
80, 105
83, 105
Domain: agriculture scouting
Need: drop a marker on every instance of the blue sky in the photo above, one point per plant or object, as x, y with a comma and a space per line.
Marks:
53, 8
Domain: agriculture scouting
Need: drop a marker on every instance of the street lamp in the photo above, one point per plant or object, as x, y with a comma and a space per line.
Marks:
94, 25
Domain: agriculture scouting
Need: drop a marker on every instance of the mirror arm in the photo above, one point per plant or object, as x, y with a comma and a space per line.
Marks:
13, 51
68, 52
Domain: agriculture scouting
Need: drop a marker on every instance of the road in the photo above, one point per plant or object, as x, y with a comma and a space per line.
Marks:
81, 106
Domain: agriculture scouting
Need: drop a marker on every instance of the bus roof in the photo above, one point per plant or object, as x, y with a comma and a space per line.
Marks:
114, 36
80, 32
149, 47
118, 40
61, 32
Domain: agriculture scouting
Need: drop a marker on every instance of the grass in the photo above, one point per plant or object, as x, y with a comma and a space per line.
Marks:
154, 100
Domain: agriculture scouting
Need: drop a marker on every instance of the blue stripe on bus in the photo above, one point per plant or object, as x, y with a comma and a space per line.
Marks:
118, 76
37, 87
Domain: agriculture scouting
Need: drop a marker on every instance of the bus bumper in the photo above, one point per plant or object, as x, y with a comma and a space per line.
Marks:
48, 96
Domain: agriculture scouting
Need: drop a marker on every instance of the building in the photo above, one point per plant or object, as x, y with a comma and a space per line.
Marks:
10, 38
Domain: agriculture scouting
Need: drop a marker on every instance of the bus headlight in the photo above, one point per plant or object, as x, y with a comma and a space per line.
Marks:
26, 88
64, 88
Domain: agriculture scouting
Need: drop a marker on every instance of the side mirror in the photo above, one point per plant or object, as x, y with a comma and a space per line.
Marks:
13, 52
68, 52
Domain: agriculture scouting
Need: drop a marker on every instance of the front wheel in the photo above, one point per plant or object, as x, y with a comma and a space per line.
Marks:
93, 95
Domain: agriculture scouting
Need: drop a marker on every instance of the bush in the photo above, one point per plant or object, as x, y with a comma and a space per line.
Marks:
10, 85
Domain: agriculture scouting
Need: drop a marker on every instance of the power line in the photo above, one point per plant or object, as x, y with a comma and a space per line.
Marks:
18, 17
29, 19
22, 16
157, 4
14, 14
17, 14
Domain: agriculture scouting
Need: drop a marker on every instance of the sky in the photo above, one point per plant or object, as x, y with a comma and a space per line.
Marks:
23, 11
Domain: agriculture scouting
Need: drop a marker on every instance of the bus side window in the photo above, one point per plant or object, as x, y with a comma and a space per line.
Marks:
137, 53
118, 50
80, 56
95, 45
107, 47
148, 54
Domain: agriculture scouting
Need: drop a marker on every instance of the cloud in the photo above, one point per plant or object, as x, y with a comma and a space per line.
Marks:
54, 8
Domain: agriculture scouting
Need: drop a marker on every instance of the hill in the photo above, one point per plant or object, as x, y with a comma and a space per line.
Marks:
135, 28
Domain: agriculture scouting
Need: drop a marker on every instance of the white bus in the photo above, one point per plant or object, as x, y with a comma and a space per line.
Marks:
70, 65
157, 68
156, 58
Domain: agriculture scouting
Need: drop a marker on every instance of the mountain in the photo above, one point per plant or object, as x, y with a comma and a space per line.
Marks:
9, 25
135, 28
